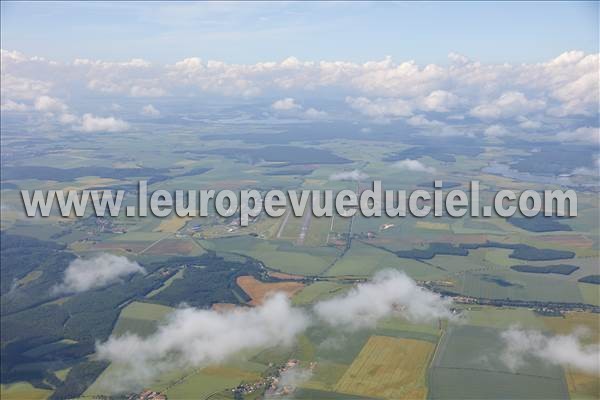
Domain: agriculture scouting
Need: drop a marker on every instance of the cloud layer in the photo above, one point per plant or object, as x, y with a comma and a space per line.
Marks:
565, 350
193, 338
428, 97
102, 270
413, 165
390, 293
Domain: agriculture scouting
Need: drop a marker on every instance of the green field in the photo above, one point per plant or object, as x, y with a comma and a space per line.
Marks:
466, 365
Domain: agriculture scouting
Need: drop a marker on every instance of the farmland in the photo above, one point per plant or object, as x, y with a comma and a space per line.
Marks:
212, 263
466, 366
259, 291
388, 367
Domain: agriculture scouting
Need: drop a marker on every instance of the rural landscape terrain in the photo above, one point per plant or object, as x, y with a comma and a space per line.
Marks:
537, 273
295, 307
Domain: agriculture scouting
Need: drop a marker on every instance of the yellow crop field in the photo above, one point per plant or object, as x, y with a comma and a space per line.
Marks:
388, 367
172, 225
576, 320
581, 385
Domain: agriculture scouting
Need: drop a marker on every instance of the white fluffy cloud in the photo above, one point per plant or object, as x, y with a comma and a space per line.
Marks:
584, 134
313, 113
495, 130
49, 104
440, 101
289, 106
565, 350
21, 88
193, 338
380, 108
526, 123
509, 104
413, 165
55, 109
422, 122
150, 111
92, 123
102, 270
354, 175
529, 96
13, 106
390, 293
286, 104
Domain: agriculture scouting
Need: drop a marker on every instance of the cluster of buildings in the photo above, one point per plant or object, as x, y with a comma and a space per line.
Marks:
272, 384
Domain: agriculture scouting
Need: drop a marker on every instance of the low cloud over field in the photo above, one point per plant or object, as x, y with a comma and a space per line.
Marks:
414, 165
194, 338
86, 274
565, 350
390, 293
289, 380
354, 175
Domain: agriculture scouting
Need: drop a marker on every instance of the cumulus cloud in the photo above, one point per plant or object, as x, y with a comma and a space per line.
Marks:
13, 106
565, 350
91, 123
193, 338
286, 104
68, 118
56, 109
583, 134
414, 165
100, 271
440, 101
22, 88
380, 108
495, 130
49, 104
354, 175
390, 293
313, 113
421, 121
290, 106
526, 123
527, 96
509, 104
150, 111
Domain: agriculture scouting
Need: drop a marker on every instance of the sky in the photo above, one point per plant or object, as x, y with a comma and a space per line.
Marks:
522, 32
477, 68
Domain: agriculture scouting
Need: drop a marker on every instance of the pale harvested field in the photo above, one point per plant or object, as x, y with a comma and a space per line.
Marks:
571, 321
258, 290
223, 307
432, 225
172, 225
581, 385
390, 368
